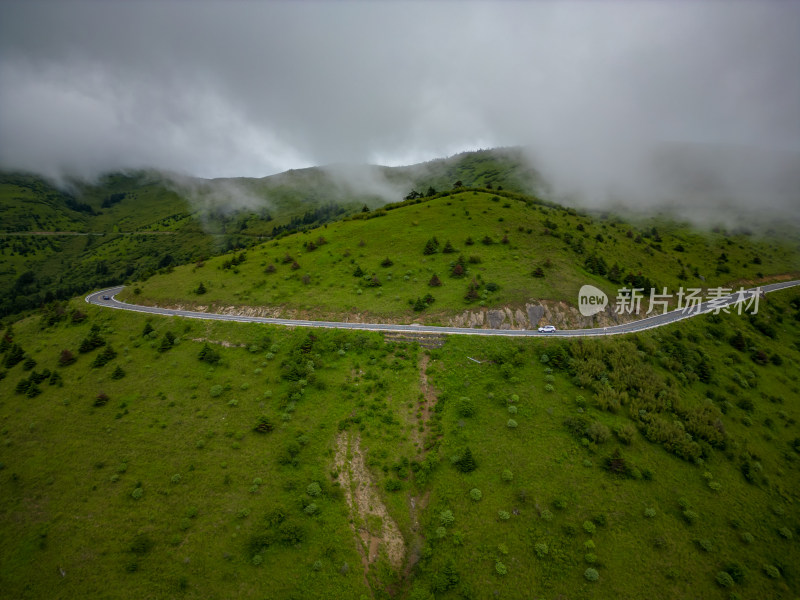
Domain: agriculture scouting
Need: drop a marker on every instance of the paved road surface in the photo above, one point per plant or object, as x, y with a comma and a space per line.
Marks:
640, 325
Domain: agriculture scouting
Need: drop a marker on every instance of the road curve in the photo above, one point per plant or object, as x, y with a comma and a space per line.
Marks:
96, 298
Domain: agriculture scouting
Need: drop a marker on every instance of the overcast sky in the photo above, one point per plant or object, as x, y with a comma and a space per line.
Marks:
253, 88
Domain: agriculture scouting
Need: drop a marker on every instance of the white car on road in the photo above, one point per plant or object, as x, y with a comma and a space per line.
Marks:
547, 329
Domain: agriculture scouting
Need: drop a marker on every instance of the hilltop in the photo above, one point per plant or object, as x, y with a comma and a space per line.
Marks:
128, 226
468, 257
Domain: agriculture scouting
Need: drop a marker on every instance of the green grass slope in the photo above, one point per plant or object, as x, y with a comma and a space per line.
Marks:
512, 250
662, 464
130, 225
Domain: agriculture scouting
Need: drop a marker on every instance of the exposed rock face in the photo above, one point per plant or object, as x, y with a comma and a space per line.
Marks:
496, 318
560, 314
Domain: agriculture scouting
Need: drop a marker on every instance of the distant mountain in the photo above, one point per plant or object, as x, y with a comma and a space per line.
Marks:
136, 223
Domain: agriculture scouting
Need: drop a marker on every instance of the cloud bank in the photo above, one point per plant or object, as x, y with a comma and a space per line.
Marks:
223, 89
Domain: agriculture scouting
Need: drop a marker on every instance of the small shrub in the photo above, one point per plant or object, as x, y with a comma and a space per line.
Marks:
263, 425
507, 475
748, 538
589, 527
591, 574
440, 532
313, 489
446, 518
503, 515
475, 494
500, 568
590, 557
705, 545
466, 462
311, 509
101, 399
393, 485
176, 478
690, 516
736, 571
649, 512
137, 493
547, 515
216, 391
512, 410
560, 503
541, 549
511, 424
66, 358
785, 532
625, 433
724, 579
549, 388
465, 407
772, 571
598, 432
257, 560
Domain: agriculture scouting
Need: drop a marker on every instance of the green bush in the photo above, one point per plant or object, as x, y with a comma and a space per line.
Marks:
215, 391
263, 425
590, 557
475, 494
649, 512
466, 462
625, 433
541, 549
772, 571
311, 509
785, 532
591, 574
724, 579
560, 503
440, 532
507, 475
393, 485
736, 571
313, 489
690, 516
547, 515
465, 407
503, 515
175, 478
512, 410
748, 538
137, 493
500, 568
446, 517
589, 527
511, 424
705, 545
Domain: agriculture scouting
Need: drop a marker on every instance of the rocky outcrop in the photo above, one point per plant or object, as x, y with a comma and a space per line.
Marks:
531, 316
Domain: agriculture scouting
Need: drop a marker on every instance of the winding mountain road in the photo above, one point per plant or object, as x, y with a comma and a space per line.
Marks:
98, 299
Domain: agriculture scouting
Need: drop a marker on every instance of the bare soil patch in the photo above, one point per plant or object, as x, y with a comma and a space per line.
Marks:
374, 527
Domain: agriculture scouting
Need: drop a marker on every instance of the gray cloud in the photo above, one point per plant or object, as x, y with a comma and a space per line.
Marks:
220, 89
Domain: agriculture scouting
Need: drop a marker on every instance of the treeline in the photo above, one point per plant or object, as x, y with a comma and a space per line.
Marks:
317, 216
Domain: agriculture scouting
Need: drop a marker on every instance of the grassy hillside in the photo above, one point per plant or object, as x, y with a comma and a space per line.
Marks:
130, 225
664, 463
512, 250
